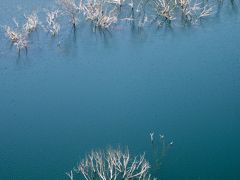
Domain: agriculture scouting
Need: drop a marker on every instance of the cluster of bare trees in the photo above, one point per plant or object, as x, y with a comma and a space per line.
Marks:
103, 14
187, 11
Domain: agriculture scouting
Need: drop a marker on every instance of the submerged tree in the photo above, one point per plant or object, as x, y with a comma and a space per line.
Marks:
16, 36
31, 23
112, 164
97, 13
164, 10
52, 25
71, 9
160, 149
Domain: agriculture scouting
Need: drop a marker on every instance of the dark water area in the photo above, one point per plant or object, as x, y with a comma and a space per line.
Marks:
89, 90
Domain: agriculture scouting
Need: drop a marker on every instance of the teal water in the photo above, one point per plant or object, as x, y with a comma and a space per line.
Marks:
95, 90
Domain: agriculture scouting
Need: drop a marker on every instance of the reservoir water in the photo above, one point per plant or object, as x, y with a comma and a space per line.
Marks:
87, 90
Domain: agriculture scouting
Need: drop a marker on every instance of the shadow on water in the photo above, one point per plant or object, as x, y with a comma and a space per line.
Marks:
104, 34
22, 57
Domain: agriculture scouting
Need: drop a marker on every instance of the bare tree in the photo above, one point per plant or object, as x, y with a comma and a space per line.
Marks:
113, 164
160, 148
100, 16
31, 23
71, 9
52, 25
164, 10
16, 36
70, 175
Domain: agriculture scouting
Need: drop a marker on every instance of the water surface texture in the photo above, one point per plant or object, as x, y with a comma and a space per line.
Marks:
87, 90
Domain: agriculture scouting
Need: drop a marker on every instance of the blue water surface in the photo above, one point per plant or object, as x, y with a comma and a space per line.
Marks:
88, 90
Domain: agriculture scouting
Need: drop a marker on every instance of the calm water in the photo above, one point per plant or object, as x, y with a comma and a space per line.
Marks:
95, 90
